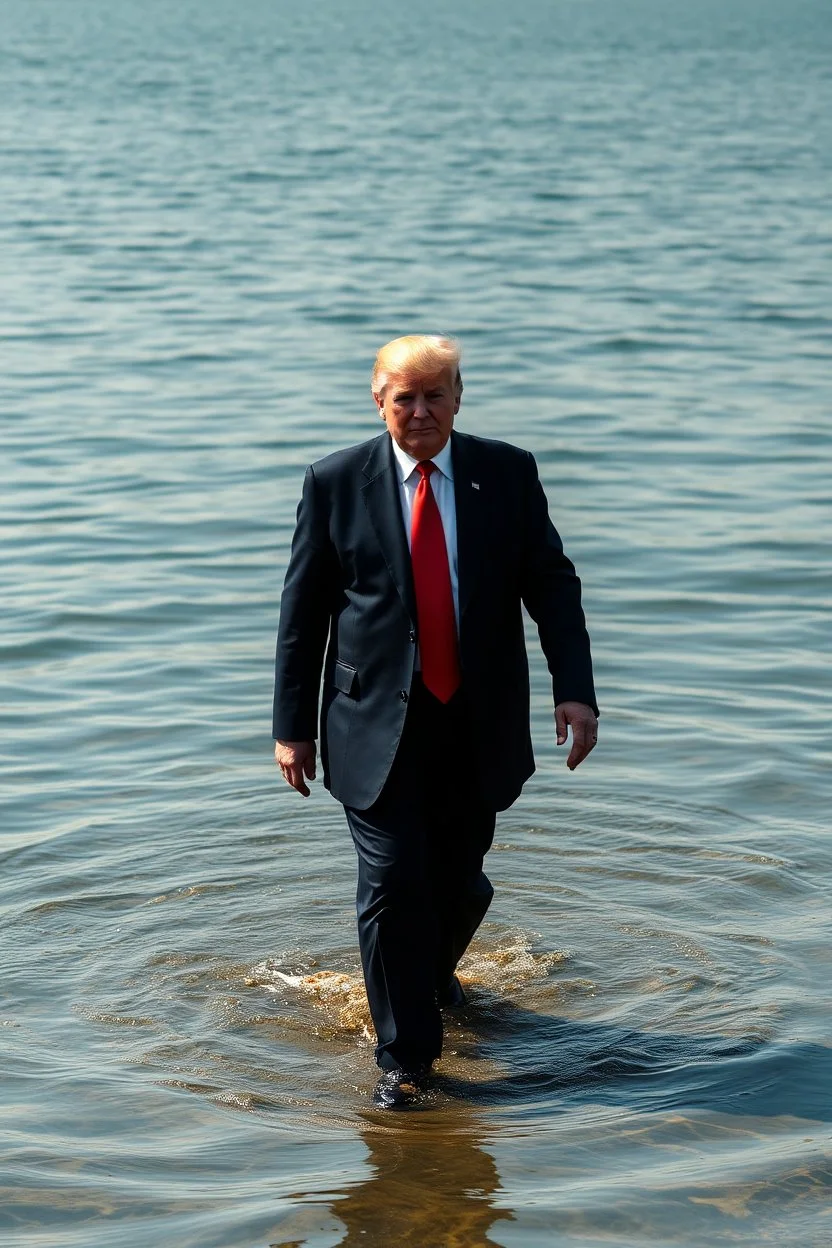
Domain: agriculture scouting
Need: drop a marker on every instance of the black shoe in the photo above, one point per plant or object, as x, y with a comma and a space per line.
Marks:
396, 1089
452, 994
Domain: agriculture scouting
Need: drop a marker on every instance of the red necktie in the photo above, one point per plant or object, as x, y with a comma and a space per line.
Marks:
434, 595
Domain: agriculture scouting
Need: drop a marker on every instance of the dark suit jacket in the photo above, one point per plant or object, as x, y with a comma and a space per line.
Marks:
348, 596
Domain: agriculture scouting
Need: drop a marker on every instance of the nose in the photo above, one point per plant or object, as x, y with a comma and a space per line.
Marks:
420, 408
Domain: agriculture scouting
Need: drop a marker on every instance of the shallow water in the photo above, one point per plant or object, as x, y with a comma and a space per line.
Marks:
212, 216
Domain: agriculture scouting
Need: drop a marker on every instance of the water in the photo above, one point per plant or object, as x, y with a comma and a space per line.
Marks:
212, 215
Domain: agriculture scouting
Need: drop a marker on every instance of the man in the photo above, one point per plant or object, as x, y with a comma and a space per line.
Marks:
411, 559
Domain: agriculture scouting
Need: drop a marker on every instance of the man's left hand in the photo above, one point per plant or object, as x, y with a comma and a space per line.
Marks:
584, 724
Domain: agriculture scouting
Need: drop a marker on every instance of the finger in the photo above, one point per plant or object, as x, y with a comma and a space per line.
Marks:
309, 767
578, 751
560, 724
576, 755
297, 781
584, 737
293, 774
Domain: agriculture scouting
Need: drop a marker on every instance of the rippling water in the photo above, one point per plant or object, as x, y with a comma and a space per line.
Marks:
212, 214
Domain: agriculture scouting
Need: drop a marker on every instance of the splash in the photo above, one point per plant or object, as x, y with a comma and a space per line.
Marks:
509, 966
503, 969
337, 995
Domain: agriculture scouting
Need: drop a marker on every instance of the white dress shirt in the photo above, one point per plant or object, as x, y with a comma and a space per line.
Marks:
441, 481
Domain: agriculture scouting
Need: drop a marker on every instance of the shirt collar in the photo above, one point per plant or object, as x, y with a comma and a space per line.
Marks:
406, 464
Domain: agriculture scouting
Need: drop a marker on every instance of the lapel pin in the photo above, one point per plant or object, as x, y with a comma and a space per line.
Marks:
476, 484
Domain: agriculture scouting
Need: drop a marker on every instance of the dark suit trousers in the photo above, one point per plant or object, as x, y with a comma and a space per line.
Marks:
422, 892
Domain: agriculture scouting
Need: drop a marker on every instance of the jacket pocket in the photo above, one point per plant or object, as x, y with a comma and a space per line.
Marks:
345, 679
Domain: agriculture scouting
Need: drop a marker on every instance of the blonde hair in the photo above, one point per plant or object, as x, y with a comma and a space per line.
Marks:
419, 354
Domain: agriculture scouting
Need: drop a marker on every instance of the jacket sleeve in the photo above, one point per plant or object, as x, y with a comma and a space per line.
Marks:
551, 593
305, 611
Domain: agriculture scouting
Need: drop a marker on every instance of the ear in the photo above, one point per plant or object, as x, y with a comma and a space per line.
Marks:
379, 402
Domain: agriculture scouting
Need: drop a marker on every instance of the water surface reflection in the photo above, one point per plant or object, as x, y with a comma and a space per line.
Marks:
432, 1182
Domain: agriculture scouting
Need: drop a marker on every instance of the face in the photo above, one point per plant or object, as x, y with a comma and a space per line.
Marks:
419, 412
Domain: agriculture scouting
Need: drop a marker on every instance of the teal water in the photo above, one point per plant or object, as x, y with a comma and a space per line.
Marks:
212, 214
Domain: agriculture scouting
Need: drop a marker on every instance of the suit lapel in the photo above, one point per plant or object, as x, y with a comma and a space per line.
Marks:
381, 498
470, 497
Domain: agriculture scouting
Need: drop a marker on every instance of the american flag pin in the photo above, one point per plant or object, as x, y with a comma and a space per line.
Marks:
476, 484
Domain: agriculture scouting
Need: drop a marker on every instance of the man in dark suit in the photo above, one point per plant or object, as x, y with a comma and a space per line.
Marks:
412, 558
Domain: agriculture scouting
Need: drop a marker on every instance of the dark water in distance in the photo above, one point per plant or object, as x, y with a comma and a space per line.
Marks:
210, 216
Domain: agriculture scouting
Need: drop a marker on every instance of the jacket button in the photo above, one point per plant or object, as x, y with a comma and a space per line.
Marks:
413, 634
403, 695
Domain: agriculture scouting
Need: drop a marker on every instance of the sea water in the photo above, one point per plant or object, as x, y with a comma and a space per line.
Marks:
212, 215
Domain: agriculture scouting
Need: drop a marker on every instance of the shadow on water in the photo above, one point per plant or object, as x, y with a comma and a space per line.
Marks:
553, 1060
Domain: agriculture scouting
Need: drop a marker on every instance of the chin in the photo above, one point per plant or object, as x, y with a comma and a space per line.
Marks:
425, 447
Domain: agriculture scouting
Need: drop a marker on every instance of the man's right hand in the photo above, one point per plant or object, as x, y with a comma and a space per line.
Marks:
296, 759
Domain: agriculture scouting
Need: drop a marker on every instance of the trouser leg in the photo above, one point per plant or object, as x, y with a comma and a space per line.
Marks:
463, 890
398, 934
421, 892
